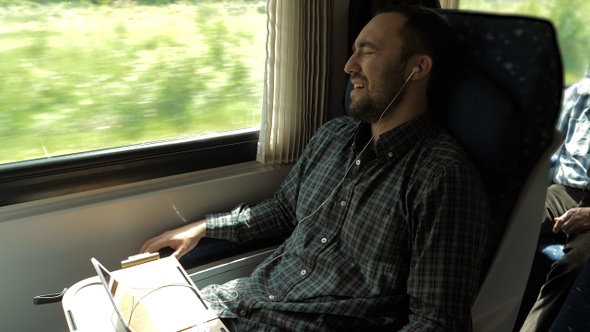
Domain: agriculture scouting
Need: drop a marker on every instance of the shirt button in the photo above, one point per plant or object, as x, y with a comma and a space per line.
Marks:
324, 240
343, 203
242, 312
390, 154
303, 272
271, 297
358, 162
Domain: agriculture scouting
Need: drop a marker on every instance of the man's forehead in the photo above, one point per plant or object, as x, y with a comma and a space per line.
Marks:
379, 29
389, 22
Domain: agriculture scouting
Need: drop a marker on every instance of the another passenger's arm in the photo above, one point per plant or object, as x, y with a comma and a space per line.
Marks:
573, 222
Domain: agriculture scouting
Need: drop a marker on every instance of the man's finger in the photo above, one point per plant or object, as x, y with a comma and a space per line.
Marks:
146, 245
557, 226
155, 245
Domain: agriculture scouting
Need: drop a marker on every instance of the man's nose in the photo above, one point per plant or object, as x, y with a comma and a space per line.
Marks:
352, 65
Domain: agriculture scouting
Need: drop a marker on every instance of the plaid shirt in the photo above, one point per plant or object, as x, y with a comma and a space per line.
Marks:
396, 246
572, 167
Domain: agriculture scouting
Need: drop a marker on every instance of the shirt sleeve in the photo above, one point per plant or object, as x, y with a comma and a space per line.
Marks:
245, 223
561, 125
570, 98
273, 217
448, 235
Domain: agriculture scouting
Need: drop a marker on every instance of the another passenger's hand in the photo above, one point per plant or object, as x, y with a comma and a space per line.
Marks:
182, 239
573, 222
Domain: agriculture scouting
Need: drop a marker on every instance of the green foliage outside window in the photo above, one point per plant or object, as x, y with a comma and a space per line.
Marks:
83, 77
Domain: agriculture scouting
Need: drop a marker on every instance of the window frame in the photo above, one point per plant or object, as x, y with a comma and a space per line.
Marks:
32, 180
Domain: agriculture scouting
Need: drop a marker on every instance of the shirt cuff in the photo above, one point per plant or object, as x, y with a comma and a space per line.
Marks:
225, 225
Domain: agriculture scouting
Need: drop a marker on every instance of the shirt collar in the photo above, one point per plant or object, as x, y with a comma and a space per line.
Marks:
398, 140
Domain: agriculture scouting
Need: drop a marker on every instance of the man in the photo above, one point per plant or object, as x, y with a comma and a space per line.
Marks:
386, 216
567, 207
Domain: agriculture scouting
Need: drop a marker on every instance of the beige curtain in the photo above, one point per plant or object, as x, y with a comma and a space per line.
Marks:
296, 77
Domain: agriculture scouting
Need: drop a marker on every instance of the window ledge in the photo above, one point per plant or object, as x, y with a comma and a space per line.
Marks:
41, 179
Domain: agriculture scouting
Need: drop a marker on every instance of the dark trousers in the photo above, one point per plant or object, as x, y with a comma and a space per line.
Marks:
563, 272
574, 315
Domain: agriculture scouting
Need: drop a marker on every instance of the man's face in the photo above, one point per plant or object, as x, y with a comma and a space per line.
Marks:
375, 68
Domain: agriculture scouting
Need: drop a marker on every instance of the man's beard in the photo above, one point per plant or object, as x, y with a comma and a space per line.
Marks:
370, 108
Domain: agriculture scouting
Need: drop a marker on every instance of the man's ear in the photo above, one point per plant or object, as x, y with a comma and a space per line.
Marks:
423, 63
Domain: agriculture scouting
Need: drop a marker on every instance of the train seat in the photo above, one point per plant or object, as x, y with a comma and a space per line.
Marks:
502, 108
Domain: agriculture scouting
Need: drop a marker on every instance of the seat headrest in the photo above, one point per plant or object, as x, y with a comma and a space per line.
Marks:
519, 56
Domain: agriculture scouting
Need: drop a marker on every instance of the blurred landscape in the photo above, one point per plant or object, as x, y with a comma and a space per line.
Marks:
93, 75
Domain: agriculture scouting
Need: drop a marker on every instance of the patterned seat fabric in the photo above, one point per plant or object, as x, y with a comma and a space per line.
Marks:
504, 103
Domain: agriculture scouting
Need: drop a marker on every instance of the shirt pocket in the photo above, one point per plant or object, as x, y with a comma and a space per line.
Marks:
376, 238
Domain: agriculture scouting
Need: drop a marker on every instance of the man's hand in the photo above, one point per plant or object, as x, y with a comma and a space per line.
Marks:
573, 222
182, 239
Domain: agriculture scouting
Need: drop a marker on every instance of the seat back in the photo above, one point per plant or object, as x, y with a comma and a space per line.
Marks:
502, 108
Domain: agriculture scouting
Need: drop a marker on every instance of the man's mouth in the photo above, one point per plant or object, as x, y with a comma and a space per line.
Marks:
358, 81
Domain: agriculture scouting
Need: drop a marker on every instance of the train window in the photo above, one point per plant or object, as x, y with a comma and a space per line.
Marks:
101, 92
573, 31
79, 76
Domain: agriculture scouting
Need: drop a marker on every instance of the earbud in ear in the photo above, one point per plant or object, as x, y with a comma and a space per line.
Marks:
414, 71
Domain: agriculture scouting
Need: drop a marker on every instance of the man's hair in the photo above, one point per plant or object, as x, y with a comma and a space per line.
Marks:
425, 32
